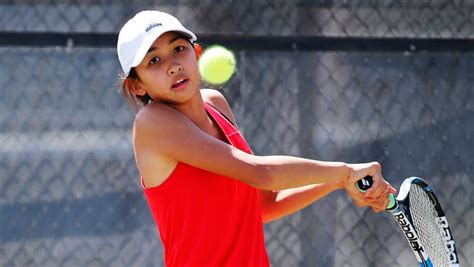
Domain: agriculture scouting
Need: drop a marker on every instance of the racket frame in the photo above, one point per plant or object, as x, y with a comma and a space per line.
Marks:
400, 210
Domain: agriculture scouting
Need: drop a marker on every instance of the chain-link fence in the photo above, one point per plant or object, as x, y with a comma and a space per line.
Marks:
70, 194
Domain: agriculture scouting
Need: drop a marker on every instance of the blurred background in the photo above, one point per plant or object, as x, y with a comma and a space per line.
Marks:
354, 81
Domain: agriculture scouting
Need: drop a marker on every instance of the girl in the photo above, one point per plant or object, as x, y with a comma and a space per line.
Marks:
206, 191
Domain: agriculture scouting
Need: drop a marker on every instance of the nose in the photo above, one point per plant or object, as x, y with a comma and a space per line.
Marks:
175, 68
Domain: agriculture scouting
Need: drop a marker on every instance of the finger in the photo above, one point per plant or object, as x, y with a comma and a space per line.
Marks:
392, 189
385, 203
377, 206
385, 193
357, 198
352, 190
380, 204
370, 199
373, 190
358, 201
378, 188
377, 209
384, 198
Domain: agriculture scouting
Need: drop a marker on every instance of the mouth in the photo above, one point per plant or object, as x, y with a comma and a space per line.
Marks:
179, 84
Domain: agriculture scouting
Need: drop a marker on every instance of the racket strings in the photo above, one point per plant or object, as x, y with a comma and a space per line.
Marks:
424, 219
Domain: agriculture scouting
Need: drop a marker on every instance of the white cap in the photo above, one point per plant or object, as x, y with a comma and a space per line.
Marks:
141, 31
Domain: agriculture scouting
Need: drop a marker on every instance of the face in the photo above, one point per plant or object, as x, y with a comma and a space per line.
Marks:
169, 72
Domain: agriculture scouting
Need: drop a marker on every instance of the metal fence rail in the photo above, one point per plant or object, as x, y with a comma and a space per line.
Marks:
69, 192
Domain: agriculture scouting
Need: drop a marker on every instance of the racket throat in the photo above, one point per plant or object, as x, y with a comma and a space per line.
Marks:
411, 236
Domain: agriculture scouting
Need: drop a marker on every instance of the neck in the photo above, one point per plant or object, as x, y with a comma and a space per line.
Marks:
195, 111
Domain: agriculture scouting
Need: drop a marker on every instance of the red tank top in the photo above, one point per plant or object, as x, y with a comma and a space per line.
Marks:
206, 219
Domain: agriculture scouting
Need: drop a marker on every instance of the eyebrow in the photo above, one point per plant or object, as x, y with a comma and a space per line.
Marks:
176, 37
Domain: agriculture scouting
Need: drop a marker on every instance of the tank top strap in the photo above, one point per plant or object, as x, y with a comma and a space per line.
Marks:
230, 130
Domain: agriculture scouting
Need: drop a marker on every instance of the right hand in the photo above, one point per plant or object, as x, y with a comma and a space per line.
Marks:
377, 196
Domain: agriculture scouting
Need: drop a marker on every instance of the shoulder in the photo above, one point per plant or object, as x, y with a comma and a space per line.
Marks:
152, 139
214, 98
156, 120
218, 100
155, 112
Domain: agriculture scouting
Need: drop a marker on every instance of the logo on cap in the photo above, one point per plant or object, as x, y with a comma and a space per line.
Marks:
151, 26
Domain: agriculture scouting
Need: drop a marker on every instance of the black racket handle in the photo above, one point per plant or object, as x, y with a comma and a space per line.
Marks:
365, 183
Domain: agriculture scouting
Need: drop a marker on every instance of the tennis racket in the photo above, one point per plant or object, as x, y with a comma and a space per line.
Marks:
423, 222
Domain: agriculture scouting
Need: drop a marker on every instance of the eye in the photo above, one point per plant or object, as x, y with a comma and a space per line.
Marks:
179, 48
154, 60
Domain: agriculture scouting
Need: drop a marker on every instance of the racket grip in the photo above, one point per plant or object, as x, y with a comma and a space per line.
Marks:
365, 183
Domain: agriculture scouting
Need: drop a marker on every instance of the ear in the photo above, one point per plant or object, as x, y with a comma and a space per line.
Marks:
134, 86
197, 50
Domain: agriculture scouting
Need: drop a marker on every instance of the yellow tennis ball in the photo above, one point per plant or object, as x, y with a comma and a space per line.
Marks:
217, 64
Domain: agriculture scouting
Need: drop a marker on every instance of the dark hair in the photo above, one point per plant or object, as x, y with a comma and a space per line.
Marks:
135, 101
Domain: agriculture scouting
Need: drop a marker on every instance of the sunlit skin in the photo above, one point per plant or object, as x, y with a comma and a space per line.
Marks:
169, 72
176, 127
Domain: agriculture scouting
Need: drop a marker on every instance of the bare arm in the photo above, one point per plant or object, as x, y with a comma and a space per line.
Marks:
161, 131
162, 134
277, 204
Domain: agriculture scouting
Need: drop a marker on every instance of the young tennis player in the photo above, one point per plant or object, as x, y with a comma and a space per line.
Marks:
207, 192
